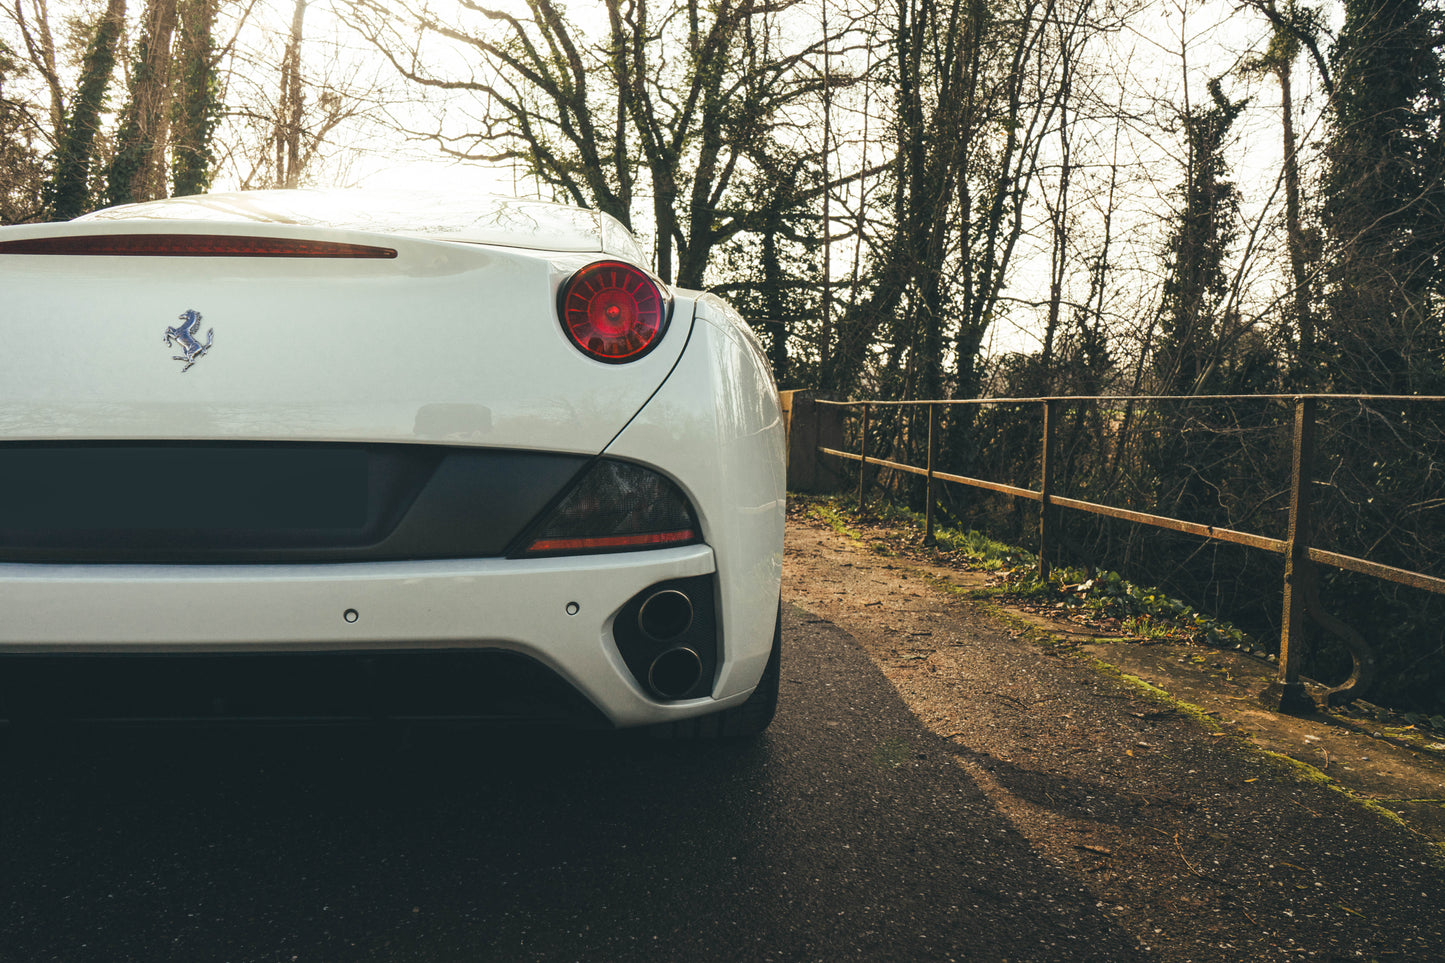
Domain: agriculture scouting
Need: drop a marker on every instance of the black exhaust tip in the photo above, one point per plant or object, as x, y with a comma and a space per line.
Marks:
674, 673
665, 615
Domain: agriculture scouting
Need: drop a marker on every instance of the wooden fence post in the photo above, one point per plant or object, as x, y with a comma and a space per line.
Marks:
1287, 693
1046, 487
812, 425
863, 458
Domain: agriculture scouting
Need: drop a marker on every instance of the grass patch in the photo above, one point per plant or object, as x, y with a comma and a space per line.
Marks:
830, 514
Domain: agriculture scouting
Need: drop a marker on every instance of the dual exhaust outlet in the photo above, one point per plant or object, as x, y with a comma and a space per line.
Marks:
665, 616
667, 635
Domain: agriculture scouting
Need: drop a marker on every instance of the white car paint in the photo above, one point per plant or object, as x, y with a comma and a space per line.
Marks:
452, 342
304, 349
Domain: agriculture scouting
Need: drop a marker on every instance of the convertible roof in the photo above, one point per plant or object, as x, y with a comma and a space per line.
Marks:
442, 215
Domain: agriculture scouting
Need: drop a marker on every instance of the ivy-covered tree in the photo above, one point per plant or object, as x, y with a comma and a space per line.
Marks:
1384, 202
68, 193
771, 272
1196, 288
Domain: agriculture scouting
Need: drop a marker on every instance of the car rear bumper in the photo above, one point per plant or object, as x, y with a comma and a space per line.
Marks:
558, 612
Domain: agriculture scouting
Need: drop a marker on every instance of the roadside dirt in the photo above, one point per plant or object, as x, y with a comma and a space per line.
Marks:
1178, 809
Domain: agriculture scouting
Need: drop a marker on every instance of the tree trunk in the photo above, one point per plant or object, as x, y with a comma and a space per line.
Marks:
664, 188
1294, 231
289, 107
138, 172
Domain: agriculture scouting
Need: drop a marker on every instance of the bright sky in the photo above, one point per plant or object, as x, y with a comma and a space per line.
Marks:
1172, 50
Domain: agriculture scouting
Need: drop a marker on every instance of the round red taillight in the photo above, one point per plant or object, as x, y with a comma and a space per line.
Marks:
613, 311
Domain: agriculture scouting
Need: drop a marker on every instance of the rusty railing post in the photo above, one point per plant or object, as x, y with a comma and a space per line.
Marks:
1046, 486
928, 538
863, 458
1287, 693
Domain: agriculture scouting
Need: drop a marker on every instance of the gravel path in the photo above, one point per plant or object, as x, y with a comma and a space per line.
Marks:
1201, 845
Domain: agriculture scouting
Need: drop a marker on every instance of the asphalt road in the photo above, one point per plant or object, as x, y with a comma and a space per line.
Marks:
847, 832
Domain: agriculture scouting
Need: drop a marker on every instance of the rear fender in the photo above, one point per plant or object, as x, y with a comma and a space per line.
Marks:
716, 426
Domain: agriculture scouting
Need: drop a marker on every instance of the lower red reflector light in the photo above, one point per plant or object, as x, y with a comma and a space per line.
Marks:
648, 540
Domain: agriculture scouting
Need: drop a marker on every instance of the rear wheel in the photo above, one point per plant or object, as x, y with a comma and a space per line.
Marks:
748, 719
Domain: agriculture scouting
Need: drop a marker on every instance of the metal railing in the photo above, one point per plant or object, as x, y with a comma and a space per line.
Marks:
1300, 594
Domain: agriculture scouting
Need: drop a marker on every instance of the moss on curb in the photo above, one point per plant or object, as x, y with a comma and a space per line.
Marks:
1296, 769
1306, 773
1301, 771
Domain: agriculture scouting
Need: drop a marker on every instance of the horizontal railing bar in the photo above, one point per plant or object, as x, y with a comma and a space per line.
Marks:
1175, 524
991, 486
1390, 574
1023, 401
870, 460
1158, 521
915, 470
911, 469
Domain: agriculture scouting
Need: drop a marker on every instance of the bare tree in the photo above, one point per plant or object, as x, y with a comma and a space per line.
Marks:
681, 95
22, 169
284, 127
1278, 60
290, 103
980, 89
32, 22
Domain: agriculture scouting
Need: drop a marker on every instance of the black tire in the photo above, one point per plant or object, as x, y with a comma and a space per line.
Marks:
749, 719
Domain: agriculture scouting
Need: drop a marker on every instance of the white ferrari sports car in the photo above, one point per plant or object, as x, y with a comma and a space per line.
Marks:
335, 454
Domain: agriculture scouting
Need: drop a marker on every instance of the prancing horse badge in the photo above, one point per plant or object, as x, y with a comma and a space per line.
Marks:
184, 335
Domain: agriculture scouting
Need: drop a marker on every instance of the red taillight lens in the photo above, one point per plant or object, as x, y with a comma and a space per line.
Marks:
615, 506
613, 311
191, 245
